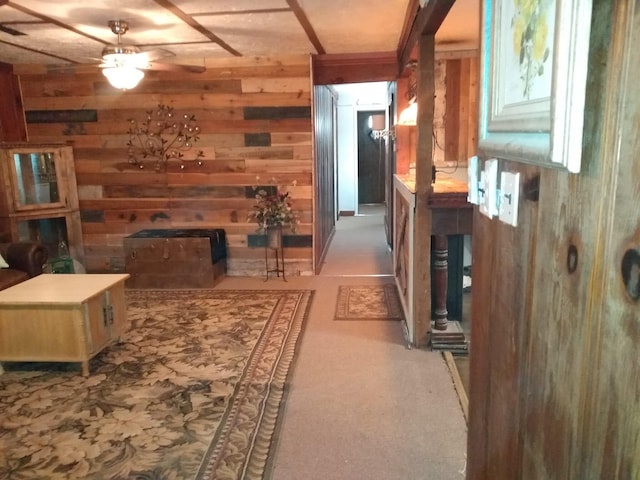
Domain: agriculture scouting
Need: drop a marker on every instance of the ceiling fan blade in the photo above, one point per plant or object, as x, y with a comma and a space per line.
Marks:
155, 54
175, 67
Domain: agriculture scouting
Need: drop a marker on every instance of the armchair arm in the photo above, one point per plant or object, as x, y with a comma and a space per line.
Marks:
26, 256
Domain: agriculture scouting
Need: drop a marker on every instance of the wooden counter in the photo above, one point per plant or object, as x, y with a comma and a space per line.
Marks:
451, 214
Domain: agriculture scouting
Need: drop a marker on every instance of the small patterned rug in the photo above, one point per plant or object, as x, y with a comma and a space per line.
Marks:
193, 392
368, 302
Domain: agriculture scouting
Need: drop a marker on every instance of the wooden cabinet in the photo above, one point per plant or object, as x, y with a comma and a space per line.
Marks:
62, 318
39, 198
175, 258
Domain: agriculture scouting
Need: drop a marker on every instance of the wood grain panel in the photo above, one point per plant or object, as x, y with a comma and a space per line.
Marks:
236, 101
555, 389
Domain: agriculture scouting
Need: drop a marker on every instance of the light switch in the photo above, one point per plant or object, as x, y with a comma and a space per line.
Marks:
472, 178
509, 194
489, 180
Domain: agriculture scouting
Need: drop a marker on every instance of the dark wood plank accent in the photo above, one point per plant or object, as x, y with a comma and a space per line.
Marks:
332, 69
92, 216
266, 113
306, 25
257, 139
61, 116
288, 241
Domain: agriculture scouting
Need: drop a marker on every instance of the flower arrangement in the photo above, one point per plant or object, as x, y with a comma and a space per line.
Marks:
530, 39
273, 209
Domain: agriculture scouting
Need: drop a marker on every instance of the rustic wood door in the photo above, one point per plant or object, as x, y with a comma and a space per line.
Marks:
370, 161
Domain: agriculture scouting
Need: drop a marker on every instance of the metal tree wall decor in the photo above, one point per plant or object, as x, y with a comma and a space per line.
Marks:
163, 136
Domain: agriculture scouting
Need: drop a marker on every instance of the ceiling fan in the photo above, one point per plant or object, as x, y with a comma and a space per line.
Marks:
124, 65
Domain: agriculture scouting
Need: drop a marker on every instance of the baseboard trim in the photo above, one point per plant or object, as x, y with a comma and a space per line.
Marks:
347, 213
457, 383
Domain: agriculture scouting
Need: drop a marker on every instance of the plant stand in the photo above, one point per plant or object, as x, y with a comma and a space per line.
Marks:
274, 244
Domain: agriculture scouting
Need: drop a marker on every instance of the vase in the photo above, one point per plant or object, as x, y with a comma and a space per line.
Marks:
274, 237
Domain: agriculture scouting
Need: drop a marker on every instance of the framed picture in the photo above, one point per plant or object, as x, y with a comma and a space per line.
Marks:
533, 80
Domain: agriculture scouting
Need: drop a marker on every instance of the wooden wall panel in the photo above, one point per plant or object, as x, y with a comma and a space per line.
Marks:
555, 388
256, 125
455, 115
461, 114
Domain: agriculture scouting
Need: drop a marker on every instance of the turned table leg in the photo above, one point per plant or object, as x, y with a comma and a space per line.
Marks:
440, 275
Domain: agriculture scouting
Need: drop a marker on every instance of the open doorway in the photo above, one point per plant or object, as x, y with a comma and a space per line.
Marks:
359, 245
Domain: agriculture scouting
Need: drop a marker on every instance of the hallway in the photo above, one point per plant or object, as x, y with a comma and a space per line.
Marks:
361, 405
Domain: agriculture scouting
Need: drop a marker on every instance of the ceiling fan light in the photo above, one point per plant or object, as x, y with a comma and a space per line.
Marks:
124, 78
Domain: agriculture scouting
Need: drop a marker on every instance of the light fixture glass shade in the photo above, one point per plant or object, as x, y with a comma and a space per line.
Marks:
409, 115
123, 77
377, 122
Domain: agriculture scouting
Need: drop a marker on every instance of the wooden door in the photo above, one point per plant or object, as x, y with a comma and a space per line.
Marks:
371, 185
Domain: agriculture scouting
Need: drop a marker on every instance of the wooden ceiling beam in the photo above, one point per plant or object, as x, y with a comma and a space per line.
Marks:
306, 25
331, 69
426, 22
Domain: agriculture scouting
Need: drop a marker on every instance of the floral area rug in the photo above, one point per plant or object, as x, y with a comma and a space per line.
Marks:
368, 302
192, 392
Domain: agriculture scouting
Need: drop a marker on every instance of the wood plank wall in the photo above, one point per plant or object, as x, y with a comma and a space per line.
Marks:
456, 111
555, 383
256, 125
455, 115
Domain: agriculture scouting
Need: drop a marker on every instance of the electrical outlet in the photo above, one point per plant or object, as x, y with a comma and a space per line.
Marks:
489, 181
509, 195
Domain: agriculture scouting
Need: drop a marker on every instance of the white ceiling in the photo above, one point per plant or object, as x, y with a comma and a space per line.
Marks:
75, 31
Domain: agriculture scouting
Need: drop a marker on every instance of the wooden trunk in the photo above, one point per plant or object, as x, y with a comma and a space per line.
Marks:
175, 258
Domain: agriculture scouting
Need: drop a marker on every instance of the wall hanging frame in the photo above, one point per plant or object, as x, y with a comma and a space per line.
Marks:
534, 57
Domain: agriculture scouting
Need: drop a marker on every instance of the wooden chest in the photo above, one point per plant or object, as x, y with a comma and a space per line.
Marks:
175, 258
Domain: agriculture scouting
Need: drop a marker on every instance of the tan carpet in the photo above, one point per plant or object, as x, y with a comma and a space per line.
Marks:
194, 391
368, 302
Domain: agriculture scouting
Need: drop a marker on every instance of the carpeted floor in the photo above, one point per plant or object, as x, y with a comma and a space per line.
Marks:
368, 302
194, 391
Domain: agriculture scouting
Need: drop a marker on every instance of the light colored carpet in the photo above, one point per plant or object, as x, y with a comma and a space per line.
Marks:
368, 302
361, 405
194, 391
359, 247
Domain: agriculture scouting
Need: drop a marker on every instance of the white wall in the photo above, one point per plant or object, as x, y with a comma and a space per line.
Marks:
353, 98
